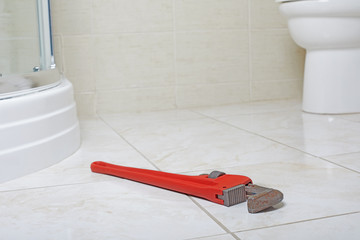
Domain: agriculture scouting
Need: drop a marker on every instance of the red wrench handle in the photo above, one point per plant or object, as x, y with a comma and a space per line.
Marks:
200, 186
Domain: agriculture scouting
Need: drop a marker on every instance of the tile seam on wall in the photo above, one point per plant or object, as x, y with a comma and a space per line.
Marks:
250, 52
170, 85
177, 31
95, 90
92, 17
254, 13
62, 52
175, 70
178, 85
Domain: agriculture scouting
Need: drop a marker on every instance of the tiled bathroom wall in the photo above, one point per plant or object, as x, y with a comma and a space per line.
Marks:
163, 54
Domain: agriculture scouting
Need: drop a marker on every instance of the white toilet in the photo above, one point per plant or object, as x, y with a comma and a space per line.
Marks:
329, 30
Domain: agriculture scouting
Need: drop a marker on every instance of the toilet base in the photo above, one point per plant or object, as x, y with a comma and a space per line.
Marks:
332, 81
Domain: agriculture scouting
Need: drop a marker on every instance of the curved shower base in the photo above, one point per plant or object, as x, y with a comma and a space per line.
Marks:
37, 130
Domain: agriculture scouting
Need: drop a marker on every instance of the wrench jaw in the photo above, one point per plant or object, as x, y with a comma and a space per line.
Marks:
260, 198
234, 195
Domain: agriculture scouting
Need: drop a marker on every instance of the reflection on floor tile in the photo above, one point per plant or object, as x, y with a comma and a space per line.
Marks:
350, 117
311, 189
249, 108
334, 228
125, 121
319, 135
351, 160
312, 159
202, 144
216, 237
103, 210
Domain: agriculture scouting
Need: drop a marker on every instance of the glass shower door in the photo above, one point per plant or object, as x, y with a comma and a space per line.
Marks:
26, 55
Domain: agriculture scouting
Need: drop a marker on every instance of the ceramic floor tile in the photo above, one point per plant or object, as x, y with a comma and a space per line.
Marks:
201, 144
99, 143
127, 120
105, 210
312, 189
341, 227
216, 237
320, 135
350, 117
266, 141
351, 160
248, 108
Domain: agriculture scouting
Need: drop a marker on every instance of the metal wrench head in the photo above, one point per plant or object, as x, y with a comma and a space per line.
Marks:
260, 198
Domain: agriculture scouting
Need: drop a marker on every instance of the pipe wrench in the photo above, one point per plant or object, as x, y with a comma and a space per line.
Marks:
217, 186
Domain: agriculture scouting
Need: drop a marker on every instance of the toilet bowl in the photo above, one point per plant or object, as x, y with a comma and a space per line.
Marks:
329, 30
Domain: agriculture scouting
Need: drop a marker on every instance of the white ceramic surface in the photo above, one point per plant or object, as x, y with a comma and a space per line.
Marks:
37, 130
320, 135
329, 31
332, 228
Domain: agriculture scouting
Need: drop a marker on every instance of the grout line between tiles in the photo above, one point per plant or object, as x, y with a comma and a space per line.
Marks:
341, 154
214, 219
51, 186
210, 236
337, 164
196, 203
301, 221
273, 140
208, 213
123, 138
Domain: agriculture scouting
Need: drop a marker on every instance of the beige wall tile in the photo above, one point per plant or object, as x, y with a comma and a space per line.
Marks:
265, 90
134, 60
211, 14
116, 16
265, 14
85, 103
71, 17
212, 57
136, 99
211, 94
78, 61
275, 56
127, 54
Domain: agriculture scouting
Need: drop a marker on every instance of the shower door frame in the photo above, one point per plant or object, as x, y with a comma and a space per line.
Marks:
45, 37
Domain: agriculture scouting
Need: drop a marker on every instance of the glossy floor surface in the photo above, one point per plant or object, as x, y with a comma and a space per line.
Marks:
313, 159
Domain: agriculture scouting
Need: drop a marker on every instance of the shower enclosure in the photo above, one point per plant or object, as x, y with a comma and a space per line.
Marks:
38, 121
